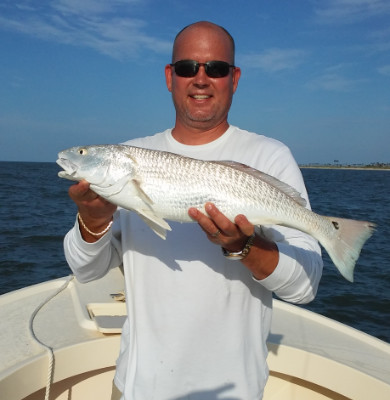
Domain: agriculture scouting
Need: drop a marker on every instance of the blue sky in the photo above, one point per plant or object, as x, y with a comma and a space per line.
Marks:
315, 73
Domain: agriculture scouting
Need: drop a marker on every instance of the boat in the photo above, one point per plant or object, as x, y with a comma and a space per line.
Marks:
60, 339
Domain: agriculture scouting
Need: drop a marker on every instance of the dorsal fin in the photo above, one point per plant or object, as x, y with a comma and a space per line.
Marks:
283, 187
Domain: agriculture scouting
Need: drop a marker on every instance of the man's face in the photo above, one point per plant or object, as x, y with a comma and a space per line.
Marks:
202, 102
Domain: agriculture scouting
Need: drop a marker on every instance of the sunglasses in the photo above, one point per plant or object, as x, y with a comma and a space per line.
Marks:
213, 69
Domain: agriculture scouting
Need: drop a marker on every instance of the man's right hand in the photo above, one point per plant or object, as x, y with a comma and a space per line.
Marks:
95, 212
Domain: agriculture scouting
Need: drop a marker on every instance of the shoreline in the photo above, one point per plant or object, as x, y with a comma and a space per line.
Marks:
344, 168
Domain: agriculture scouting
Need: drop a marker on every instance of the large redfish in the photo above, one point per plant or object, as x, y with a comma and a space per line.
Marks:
160, 185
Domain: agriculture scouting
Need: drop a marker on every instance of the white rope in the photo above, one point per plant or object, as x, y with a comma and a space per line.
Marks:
49, 349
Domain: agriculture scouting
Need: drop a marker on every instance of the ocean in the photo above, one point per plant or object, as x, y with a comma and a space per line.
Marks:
36, 213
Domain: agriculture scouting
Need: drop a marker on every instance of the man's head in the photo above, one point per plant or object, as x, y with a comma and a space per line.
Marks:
202, 98
211, 26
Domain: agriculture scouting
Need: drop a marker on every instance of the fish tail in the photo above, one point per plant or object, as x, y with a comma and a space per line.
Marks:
345, 245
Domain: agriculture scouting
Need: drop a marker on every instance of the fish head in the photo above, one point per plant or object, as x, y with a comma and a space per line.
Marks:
100, 165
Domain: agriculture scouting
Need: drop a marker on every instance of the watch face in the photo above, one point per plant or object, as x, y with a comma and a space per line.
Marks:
233, 256
239, 255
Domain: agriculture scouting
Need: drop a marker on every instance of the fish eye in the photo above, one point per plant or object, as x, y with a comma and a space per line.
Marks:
83, 152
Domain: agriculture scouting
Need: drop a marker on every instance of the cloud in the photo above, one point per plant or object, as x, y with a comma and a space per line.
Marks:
105, 26
350, 11
333, 79
384, 70
274, 60
88, 7
334, 82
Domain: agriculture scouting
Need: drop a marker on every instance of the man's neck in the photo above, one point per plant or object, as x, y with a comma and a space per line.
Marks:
197, 136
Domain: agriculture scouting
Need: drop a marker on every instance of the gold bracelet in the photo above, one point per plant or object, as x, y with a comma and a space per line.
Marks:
93, 233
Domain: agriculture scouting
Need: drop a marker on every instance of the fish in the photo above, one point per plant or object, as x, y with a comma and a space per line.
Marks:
161, 186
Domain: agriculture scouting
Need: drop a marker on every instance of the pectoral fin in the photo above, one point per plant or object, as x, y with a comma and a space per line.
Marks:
158, 225
141, 192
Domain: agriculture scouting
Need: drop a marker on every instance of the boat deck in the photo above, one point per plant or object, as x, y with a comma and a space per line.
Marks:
309, 355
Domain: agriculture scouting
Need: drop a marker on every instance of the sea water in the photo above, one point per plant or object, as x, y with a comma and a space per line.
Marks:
36, 213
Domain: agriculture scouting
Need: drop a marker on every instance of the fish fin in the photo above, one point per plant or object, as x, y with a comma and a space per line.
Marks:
158, 225
345, 245
136, 181
118, 186
141, 193
283, 187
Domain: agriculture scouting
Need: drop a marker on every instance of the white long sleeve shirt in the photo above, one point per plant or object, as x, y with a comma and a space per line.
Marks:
198, 323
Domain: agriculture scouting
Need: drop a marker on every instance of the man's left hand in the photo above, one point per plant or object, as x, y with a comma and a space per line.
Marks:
220, 230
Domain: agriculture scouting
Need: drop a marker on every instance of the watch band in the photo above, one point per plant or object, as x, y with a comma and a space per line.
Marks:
239, 255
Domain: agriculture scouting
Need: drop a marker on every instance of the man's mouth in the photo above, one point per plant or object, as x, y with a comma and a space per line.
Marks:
200, 96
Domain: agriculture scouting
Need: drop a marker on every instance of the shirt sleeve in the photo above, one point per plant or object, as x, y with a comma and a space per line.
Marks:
298, 273
90, 261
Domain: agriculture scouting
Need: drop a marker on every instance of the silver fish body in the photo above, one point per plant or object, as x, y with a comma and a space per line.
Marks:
162, 186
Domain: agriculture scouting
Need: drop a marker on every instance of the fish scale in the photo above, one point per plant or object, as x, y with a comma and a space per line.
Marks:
162, 186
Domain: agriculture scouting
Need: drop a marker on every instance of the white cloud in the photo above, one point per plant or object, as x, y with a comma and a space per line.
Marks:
334, 82
274, 60
90, 7
333, 78
105, 26
384, 70
348, 11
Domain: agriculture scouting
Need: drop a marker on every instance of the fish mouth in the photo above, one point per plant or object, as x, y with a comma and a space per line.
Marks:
69, 169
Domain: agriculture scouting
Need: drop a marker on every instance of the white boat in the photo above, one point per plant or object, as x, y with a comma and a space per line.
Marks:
62, 338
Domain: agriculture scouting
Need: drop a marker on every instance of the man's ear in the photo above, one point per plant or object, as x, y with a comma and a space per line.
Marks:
236, 78
168, 77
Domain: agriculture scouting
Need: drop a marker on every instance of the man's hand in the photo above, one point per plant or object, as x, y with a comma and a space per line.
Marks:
263, 256
95, 211
220, 230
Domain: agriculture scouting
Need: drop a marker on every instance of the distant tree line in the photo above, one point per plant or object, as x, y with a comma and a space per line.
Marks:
374, 165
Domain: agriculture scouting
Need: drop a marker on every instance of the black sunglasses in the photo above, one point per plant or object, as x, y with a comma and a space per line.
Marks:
213, 69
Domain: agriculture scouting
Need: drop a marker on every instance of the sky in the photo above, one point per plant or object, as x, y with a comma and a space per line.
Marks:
315, 73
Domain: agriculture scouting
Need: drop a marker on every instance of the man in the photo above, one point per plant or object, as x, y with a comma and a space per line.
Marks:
198, 317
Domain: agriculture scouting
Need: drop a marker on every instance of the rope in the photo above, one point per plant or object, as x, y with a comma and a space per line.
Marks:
49, 349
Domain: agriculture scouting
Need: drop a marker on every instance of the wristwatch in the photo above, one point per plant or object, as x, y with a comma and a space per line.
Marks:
239, 255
